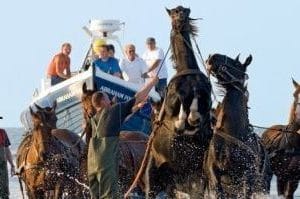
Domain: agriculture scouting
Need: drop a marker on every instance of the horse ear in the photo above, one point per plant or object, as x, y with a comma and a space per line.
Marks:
31, 111
238, 57
168, 11
296, 85
38, 107
84, 89
54, 105
188, 11
33, 114
248, 61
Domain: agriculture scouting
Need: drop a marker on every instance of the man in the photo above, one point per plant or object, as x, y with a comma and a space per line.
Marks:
106, 63
133, 66
103, 154
111, 50
59, 67
5, 155
153, 57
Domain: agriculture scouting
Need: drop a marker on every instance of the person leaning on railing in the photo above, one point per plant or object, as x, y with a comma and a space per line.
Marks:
59, 67
106, 63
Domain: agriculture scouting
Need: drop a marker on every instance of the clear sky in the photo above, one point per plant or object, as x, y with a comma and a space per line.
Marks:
33, 30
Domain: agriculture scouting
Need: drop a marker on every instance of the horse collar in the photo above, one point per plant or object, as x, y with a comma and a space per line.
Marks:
186, 72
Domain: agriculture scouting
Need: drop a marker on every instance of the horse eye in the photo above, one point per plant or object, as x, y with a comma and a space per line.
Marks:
48, 109
223, 68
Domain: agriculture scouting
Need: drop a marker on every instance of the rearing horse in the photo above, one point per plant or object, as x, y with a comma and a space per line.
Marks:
236, 165
283, 145
183, 130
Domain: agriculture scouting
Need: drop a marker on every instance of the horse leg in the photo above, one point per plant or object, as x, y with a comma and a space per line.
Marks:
162, 181
57, 191
39, 194
291, 188
281, 184
152, 186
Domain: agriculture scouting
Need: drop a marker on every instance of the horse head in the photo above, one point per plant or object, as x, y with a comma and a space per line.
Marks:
229, 72
86, 100
180, 19
182, 50
44, 117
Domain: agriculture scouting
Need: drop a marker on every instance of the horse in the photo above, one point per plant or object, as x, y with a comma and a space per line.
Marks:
46, 162
283, 145
132, 144
236, 163
182, 131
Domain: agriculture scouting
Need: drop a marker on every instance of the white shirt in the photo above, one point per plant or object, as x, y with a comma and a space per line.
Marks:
132, 70
150, 56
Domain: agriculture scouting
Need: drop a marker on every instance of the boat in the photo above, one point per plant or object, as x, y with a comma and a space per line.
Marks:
67, 94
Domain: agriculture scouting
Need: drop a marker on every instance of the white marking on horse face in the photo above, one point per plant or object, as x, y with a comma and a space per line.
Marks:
182, 114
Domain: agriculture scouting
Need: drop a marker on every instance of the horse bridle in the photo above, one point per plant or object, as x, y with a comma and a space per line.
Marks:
223, 70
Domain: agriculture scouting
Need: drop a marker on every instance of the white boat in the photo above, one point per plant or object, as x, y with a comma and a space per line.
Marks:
68, 93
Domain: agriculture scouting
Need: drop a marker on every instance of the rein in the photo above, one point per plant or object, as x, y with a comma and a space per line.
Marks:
281, 130
148, 150
236, 142
186, 72
200, 57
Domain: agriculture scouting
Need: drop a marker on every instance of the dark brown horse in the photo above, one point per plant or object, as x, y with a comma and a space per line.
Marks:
49, 166
283, 145
132, 144
183, 131
237, 165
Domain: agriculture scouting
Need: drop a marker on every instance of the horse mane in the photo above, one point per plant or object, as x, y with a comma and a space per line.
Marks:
193, 28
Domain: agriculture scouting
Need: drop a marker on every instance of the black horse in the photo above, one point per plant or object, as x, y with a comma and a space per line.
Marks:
283, 145
236, 165
182, 132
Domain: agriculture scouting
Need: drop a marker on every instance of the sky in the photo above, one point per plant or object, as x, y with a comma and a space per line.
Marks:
32, 31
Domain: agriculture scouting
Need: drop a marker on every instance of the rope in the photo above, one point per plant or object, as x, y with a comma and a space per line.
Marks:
281, 130
163, 61
79, 139
147, 152
199, 55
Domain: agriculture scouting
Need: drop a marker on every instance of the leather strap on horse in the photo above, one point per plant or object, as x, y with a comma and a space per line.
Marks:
79, 139
236, 142
147, 152
186, 72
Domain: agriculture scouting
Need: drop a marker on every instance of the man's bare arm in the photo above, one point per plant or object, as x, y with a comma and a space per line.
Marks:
154, 65
142, 95
60, 73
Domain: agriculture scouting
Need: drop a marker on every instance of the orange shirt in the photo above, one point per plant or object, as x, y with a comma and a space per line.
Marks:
59, 63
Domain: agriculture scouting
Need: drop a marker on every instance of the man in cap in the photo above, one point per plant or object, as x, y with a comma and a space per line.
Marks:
106, 63
5, 155
154, 57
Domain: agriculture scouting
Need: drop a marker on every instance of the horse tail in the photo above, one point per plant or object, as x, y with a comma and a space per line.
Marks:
21, 187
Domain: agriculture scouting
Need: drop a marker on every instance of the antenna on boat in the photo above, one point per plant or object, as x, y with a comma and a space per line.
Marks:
102, 29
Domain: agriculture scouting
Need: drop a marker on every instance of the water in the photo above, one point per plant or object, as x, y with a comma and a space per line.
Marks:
15, 136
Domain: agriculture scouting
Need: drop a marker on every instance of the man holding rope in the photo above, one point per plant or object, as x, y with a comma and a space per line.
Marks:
103, 154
